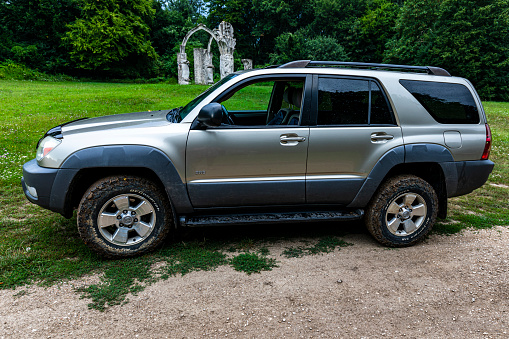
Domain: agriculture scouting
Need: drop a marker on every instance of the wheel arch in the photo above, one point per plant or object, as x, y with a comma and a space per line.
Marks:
82, 168
432, 173
85, 177
431, 162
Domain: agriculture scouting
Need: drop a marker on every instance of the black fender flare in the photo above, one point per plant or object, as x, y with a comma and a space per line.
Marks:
414, 153
128, 156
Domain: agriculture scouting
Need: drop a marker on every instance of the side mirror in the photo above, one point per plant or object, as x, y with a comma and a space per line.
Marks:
211, 115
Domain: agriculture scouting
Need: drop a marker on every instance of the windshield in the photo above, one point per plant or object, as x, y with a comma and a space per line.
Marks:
189, 107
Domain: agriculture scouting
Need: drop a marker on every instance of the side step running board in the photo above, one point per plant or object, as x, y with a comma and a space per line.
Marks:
269, 218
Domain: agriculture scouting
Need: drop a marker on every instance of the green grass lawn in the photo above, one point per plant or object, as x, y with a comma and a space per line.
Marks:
37, 245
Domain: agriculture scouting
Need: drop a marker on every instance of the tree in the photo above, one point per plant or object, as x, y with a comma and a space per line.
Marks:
414, 28
371, 32
112, 37
31, 32
295, 46
469, 38
172, 20
472, 41
258, 23
335, 18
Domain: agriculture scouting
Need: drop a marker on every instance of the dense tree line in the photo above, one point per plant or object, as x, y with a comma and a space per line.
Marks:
140, 38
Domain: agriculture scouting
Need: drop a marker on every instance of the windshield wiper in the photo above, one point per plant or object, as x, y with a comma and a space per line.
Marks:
173, 115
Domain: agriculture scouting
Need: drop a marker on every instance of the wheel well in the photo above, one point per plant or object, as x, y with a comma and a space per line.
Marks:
87, 176
432, 173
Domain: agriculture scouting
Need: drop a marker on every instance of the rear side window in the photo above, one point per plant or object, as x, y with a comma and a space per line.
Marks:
351, 102
342, 102
446, 103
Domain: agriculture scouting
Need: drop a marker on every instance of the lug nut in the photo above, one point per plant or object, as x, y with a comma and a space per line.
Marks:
119, 217
121, 224
135, 219
133, 213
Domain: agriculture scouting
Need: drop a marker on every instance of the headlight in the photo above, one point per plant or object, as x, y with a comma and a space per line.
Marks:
45, 146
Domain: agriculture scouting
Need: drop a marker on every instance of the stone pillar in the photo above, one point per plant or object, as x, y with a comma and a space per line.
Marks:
248, 63
200, 70
226, 64
183, 69
209, 68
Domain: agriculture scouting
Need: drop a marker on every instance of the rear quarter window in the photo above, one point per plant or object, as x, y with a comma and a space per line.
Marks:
447, 103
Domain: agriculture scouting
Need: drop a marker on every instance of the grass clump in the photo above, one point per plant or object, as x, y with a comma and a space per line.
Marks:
119, 279
252, 263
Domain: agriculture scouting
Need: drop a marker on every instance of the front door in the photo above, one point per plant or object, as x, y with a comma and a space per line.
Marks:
259, 157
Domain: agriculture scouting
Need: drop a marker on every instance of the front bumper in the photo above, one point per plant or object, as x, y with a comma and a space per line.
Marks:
39, 179
47, 187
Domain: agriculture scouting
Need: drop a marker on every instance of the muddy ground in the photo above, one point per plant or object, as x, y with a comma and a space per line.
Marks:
447, 287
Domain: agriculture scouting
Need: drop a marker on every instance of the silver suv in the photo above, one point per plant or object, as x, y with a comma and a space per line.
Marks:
305, 141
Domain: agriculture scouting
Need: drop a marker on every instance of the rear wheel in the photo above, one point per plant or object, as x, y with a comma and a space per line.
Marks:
402, 211
124, 216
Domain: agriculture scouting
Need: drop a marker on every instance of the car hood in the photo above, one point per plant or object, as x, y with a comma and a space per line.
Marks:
117, 121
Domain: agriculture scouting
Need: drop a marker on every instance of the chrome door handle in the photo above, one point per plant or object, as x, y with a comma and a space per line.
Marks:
285, 138
381, 137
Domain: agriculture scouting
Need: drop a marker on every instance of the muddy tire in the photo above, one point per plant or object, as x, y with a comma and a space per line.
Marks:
402, 211
124, 216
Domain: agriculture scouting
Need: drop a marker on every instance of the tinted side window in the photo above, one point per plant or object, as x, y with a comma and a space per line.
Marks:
347, 102
343, 102
446, 103
380, 112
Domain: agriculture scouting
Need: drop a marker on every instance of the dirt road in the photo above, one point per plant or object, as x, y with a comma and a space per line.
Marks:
448, 287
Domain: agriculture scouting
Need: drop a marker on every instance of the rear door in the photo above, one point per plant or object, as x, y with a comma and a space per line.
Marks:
354, 128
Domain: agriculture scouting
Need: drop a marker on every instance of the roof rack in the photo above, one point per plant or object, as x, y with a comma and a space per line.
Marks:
308, 63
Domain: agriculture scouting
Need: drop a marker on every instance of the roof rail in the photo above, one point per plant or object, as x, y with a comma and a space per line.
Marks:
308, 63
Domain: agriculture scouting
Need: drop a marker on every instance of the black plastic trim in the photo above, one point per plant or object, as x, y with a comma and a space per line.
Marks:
432, 70
472, 175
461, 177
128, 156
56, 132
247, 193
42, 180
427, 153
390, 159
338, 191
270, 218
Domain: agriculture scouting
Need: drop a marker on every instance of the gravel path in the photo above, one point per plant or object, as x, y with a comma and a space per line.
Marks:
447, 287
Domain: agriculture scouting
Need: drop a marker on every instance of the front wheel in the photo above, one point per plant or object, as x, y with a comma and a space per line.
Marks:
402, 211
124, 216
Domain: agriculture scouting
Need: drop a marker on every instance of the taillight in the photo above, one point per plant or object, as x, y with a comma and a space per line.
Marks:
487, 146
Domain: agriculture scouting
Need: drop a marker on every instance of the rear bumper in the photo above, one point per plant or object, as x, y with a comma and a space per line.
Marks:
471, 175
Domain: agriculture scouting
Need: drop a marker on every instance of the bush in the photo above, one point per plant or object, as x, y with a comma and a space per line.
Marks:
12, 71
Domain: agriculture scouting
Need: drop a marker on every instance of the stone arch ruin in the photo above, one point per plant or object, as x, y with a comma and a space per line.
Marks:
203, 68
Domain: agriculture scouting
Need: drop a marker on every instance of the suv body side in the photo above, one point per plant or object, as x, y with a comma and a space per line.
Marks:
331, 174
318, 160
